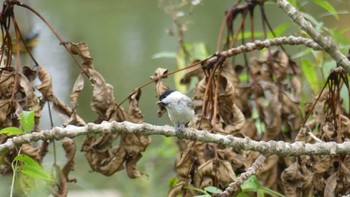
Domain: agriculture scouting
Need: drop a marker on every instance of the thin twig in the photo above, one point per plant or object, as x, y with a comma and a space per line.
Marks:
234, 186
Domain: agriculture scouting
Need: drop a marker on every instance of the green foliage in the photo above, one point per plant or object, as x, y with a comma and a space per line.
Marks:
31, 168
310, 74
173, 181
207, 191
27, 124
10, 131
252, 184
327, 6
27, 121
30, 175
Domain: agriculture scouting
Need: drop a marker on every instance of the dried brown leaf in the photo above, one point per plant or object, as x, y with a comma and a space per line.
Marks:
70, 149
322, 164
82, 50
160, 86
134, 145
103, 142
331, 184
184, 163
46, 83
204, 170
4, 110
77, 88
225, 172
214, 169
61, 183
291, 178
110, 162
279, 61
182, 189
130, 165
102, 95
30, 150
157, 77
29, 73
7, 79
134, 112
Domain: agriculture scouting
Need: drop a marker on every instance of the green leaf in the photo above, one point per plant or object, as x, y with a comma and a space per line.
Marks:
172, 182
251, 184
212, 189
27, 121
197, 189
301, 53
327, 6
270, 192
310, 73
31, 168
9, 131
279, 30
200, 51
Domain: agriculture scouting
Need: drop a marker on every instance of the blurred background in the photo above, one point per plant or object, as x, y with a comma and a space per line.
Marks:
123, 36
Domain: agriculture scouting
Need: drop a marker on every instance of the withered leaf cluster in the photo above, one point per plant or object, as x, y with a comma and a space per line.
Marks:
100, 150
264, 108
322, 175
19, 91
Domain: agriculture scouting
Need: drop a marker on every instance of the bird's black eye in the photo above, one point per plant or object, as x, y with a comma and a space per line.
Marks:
161, 103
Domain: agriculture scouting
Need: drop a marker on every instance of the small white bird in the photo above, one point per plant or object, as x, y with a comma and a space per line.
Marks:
179, 107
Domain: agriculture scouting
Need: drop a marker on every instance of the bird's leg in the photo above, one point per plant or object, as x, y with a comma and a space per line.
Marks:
179, 127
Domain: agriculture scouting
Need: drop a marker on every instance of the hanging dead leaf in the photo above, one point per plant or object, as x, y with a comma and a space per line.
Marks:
7, 79
70, 149
82, 50
184, 163
4, 110
183, 189
102, 95
160, 87
134, 145
135, 114
77, 88
60, 183
46, 83
157, 76
331, 184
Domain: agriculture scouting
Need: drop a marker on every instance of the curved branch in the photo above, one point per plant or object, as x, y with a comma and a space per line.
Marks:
258, 44
279, 148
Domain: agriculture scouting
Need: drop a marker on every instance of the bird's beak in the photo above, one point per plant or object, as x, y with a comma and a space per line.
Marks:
161, 103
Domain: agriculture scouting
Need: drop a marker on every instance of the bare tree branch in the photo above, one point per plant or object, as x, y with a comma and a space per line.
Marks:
258, 44
326, 42
279, 148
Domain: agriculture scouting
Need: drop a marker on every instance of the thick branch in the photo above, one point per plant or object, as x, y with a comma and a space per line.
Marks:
326, 42
279, 148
